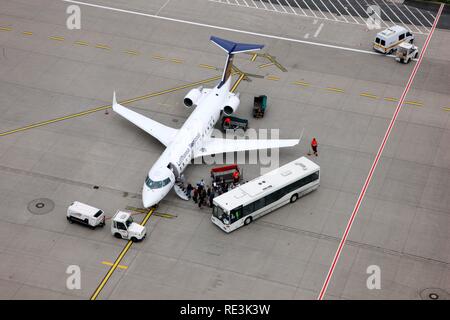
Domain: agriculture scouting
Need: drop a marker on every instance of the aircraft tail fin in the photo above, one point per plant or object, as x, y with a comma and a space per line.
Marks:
231, 48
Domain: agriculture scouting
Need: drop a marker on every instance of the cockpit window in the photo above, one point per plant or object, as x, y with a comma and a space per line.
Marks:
156, 184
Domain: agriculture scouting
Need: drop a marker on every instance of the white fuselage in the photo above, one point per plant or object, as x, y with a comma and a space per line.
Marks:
189, 138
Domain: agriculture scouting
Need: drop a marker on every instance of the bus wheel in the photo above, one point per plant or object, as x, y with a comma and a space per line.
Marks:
248, 220
294, 198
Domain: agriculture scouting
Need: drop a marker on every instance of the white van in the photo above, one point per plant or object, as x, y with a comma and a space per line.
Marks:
122, 226
85, 214
387, 40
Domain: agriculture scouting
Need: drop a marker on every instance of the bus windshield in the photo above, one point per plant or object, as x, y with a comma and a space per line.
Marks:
221, 215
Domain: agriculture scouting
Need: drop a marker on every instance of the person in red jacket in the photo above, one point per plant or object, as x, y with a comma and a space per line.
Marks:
314, 146
236, 176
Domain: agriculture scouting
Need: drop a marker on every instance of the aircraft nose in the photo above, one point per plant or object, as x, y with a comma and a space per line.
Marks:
151, 197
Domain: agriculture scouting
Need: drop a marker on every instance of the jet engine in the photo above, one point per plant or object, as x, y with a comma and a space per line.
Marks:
192, 97
232, 104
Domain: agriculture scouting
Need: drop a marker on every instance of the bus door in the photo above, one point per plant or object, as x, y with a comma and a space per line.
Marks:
235, 214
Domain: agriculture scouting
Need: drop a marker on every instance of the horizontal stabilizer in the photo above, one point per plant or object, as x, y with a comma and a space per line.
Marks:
235, 47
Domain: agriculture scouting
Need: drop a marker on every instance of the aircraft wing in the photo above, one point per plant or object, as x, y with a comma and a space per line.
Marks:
218, 145
161, 132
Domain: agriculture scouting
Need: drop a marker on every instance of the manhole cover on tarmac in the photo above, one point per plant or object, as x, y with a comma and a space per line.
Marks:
434, 294
41, 206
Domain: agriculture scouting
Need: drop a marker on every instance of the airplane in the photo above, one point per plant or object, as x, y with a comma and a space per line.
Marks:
194, 139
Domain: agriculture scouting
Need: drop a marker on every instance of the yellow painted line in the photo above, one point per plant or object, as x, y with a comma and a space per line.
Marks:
81, 43
27, 33
56, 38
176, 60
391, 99
102, 46
150, 95
335, 89
445, 109
165, 215
132, 52
255, 55
119, 258
273, 78
368, 95
207, 66
414, 103
266, 65
158, 57
301, 83
5, 29
106, 263
241, 77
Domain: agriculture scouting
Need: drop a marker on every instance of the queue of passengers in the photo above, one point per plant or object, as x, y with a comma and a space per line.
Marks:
203, 194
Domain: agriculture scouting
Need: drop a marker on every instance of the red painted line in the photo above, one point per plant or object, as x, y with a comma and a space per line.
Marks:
377, 158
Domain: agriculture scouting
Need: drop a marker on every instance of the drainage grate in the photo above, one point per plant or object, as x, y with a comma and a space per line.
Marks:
41, 206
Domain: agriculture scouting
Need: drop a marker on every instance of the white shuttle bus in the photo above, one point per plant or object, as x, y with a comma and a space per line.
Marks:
264, 194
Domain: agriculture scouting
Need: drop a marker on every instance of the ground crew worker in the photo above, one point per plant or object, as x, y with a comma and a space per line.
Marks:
227, 122
236, 176
314, 146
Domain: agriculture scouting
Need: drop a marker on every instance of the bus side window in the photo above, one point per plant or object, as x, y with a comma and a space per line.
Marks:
260, 203
247, 209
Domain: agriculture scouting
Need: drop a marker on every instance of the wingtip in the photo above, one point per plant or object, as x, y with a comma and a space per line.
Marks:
301, 135
114, 102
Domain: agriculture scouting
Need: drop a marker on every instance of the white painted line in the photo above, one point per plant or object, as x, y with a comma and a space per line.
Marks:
396, 16
423, 16
324, 45
319, 10
340, 14
415, 17
355, 10
329, 11
265, 7
163, 6
273, 6
345, 8
406, 17
318, 30
365, 10
304, 13
281, 6
291, 8
376, 160
309, 8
